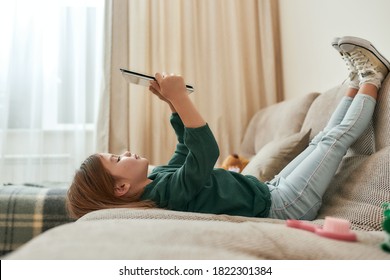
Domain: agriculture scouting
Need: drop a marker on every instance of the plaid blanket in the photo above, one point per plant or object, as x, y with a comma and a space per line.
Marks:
28, 210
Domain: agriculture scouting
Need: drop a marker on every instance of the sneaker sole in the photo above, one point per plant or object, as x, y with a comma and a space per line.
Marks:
347, 43
335, 44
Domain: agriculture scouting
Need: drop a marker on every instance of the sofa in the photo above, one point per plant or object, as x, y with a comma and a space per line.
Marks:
357, 193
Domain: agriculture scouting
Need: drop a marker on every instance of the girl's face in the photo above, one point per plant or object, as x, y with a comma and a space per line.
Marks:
127, 167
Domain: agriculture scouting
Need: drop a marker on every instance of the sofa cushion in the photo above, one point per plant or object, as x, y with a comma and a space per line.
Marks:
286, 116
158, 239
275, 155
158, 214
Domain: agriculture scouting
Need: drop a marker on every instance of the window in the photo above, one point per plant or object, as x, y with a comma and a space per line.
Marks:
50, 71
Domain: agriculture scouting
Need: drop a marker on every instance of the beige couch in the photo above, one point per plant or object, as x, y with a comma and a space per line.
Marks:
357, 192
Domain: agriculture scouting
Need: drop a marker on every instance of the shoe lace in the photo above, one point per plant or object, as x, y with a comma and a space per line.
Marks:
351, 67
360, 61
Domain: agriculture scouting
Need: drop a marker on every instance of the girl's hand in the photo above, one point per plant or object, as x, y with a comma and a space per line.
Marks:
171, 87
155, 89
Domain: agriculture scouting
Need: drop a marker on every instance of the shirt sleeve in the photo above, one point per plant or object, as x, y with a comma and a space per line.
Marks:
195, 173
181, 152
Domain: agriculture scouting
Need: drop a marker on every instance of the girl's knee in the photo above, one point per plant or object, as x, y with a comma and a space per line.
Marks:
312, 213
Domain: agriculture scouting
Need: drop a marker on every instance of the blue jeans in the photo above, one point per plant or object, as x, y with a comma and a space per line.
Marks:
297, 191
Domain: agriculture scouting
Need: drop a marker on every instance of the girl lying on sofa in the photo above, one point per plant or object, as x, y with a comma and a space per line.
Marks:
189, 182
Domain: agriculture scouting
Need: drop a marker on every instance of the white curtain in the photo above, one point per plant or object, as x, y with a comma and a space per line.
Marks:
50, 72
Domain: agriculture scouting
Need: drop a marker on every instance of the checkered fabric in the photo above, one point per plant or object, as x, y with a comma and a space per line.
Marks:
28, 210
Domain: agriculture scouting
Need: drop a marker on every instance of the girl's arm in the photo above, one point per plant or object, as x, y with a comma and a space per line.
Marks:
181, 151
194, 174
173, 90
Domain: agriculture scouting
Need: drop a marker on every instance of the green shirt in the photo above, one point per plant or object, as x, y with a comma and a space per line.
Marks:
191, 183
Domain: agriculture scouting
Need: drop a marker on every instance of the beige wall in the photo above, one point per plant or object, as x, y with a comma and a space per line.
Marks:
307, 28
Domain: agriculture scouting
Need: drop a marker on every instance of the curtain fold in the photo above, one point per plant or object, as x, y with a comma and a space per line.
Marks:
229, 50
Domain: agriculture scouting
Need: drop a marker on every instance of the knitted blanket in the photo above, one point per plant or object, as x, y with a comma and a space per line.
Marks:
28, 210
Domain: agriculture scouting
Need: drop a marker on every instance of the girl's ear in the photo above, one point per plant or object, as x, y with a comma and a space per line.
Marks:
121, 189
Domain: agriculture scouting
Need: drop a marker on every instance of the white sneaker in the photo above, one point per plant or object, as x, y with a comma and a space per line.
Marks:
353, 73
371, 65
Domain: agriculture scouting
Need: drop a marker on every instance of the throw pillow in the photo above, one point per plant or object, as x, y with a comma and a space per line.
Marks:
275, 155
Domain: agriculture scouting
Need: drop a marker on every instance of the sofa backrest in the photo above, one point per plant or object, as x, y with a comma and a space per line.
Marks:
322, 108
382, 116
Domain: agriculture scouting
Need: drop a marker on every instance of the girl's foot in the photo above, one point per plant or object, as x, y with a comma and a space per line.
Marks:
353, 73
372, 66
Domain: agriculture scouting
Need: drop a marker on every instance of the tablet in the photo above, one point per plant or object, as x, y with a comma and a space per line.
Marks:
142, 79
